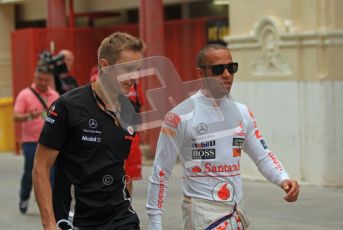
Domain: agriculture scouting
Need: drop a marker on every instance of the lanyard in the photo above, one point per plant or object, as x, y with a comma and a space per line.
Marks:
102, 106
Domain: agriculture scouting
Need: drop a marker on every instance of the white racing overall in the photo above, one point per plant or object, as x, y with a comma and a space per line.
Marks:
209, 136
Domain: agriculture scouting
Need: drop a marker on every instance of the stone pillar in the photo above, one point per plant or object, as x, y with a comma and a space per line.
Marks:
290, 74
6, 27
151, 31
151, 26
56, 17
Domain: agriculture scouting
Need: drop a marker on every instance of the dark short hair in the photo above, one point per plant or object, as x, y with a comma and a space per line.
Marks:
43, 68
200, 58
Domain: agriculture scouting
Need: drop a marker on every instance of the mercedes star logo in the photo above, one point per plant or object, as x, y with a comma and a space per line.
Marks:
92, 123
201, 128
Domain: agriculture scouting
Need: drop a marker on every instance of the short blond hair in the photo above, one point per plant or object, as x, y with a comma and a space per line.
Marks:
111, 46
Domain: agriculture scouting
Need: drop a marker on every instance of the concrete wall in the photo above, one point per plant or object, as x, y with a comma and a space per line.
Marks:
6, 27
290, 75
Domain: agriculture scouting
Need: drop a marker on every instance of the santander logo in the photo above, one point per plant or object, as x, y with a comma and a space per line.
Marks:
161, 190
223, 191
213, 168
196, 169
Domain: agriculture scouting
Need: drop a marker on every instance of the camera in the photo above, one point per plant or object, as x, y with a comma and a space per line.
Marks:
57, 66
56, 63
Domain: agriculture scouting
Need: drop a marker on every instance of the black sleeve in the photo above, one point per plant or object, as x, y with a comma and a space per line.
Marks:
55, 129
73, 80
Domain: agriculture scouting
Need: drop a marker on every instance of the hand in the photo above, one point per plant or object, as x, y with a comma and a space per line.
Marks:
291, 187
34, 114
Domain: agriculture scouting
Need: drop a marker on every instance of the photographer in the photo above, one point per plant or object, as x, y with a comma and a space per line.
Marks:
63, 80
60, 66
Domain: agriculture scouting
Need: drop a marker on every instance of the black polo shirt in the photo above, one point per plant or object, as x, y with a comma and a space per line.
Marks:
88, 187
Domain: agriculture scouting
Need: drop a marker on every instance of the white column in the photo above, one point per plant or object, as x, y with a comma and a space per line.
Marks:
290, 74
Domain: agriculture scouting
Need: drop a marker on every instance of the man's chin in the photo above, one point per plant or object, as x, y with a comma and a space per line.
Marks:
224, 91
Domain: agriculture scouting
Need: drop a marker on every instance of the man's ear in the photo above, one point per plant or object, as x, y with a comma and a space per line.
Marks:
200, 72
103, 63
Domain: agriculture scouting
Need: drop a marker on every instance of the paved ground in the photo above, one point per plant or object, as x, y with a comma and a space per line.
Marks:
318, 208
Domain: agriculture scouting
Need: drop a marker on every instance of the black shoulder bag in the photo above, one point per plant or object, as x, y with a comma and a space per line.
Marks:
39, 98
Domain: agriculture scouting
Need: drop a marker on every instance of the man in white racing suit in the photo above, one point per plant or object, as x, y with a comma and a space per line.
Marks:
208, 131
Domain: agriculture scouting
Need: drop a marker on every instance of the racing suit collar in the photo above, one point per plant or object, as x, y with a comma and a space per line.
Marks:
211, 102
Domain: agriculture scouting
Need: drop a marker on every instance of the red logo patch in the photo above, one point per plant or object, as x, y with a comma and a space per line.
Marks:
258, 134
196, 169
223, 191
162, 173
172, 120
53, 113
236, 152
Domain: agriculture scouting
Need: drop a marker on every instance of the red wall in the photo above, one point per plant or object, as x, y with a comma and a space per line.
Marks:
183, 39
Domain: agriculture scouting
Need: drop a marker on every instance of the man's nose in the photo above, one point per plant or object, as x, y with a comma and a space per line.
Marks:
226, 74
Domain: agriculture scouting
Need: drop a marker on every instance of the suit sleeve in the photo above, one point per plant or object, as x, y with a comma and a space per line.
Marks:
168, 147
266, 162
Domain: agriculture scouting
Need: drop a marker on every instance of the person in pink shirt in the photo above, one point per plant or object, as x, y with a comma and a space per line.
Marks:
30, 110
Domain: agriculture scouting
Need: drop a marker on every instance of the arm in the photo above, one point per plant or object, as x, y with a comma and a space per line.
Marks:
168, 147
21, 112
21, 117
44, 159
51, 141
267, 163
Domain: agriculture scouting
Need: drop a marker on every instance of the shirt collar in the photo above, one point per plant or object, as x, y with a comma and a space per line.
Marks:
208, 101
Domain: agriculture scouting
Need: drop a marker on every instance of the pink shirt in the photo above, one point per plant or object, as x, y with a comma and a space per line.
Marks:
26, 102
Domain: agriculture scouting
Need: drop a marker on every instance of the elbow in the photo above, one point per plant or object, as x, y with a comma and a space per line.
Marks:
35, 173
38, 172
16, 118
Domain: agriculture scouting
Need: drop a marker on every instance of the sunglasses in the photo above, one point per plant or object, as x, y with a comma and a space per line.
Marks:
219, 69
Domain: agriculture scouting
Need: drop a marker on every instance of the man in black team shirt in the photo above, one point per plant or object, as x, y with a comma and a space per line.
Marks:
82, 136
